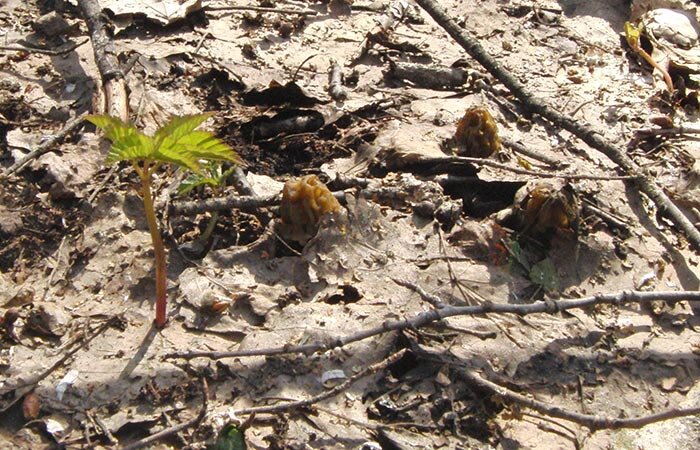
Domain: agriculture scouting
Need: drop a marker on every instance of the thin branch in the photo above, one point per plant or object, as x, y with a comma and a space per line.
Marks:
335, 82
115, 97
241, 183
426, 317
299, 12
62, 50
607, 217
46, 147
518, 147
175, 428
282, 407
428, 297
583, 131
244, 203
649, 132
593, 423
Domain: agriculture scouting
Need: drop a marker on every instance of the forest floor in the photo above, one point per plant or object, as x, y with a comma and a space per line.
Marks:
82, 366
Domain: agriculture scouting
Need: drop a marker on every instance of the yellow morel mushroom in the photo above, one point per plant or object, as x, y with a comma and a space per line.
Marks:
304, 202
477, 134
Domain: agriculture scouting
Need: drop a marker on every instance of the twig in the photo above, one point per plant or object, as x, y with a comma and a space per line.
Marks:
104, 182
428, 297
224, 204
176, 428
582, 130
593, 423
424, 318
429, 77
335, 82
45, 51
378, 427
46, 147
649, 132
296, 72
483, 335
517, 147
201, 42
273, 409
241, 183
607, 217
111, 75
300, 12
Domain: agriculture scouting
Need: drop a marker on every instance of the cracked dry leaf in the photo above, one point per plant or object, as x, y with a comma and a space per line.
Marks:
163, 12
344, 241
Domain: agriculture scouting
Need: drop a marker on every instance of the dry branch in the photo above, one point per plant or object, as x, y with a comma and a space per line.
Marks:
45, 147
62, 50
582, 130
252, 203
244, 203
675, 131
517, 147
429, 77
427, 317
335, 82
111, 75
300, 12
435, 161
593, 423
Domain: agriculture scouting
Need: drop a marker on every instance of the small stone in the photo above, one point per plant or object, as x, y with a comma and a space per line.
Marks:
52, 24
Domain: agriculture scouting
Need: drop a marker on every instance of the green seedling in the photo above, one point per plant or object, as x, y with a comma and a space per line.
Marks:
213, 176
179, 143
633, 34
230, 438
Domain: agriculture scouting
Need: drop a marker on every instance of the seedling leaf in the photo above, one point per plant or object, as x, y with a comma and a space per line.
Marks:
180, 126
230, 438
128, 143
204, 145
215, 177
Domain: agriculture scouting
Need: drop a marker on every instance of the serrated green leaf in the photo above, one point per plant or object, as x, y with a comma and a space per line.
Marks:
128, 143
177, 155
216, 178
204, 145
180, 126
195, 181
177, 142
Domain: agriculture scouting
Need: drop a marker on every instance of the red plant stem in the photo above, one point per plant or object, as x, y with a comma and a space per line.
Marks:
158, 247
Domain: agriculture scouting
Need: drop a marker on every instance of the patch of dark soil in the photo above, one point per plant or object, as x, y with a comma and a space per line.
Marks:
37, 228
13, 108
291, 156
214, 88
232, 229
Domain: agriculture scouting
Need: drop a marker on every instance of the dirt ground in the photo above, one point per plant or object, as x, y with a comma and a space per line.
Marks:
81, 365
